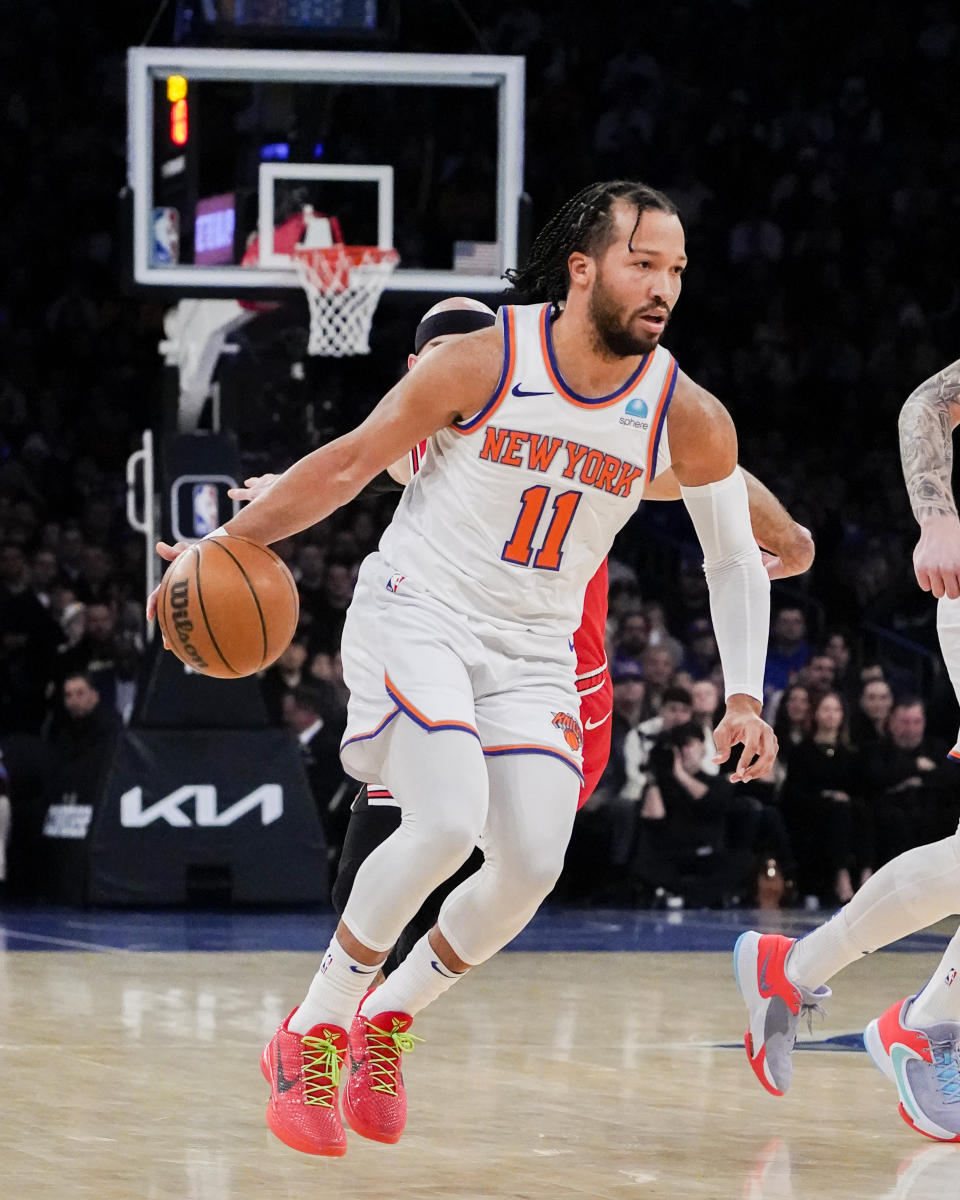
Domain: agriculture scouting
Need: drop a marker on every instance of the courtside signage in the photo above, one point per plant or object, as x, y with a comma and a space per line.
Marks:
203, 800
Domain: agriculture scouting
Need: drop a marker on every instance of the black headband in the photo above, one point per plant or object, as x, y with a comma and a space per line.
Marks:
453, 320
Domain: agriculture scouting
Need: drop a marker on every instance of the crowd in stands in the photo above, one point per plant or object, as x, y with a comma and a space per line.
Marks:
824, 286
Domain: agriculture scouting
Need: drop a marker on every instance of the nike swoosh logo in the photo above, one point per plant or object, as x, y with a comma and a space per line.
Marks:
899, 1057
357, 971
355, 1063
588, 724
441, 970
284, 1084
764, 986
519, 392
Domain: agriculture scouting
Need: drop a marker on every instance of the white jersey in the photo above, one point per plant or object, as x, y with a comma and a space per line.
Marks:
513, 511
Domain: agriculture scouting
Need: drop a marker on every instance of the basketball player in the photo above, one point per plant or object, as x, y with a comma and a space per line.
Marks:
457, 646
375, 815
916, 1042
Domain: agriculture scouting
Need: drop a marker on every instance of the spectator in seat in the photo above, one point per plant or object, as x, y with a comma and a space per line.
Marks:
44, 575
632, 640
912, 786
676, 709
869, 723
684, 849
285, 675
819, 675
659, 667
28, 647
793, 721
82, 737
311, 711
702, 655
706, 704
836, 645
823, 805
331, 610
95, 654
789, 651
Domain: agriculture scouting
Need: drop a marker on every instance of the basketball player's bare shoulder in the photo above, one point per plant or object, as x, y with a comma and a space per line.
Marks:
703, 440
467, 369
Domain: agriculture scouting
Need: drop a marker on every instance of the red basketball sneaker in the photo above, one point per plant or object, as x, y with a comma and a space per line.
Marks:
304, 1077
374, 1099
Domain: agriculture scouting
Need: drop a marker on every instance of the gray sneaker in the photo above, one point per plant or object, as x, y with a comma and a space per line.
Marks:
775, 1006
924, 1064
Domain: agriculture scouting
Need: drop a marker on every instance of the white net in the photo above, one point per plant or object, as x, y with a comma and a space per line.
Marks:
343, 285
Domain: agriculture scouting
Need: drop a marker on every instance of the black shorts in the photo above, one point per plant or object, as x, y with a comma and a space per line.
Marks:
371, 824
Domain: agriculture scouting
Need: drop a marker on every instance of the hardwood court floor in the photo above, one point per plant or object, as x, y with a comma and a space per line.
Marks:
134, 1076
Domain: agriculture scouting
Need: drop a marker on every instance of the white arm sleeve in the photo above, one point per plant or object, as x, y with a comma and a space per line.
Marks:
739, 585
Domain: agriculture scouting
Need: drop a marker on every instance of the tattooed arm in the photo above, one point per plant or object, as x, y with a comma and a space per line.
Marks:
927, 421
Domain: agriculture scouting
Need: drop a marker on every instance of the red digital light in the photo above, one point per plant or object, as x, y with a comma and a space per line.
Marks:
179, 122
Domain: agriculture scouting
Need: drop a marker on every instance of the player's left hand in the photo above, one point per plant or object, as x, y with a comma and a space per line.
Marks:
742, 724
793, 558
253, 487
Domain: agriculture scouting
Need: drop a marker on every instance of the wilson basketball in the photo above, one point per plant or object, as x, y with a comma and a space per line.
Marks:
228, 607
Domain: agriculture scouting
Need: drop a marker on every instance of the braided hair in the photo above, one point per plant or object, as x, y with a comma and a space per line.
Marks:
584, 223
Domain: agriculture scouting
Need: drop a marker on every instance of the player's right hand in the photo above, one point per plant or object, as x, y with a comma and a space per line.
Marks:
169, 553
794, 557
936, 559
253, 487
743, 725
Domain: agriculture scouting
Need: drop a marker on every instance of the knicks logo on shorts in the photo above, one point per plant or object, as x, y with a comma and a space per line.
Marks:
570, 728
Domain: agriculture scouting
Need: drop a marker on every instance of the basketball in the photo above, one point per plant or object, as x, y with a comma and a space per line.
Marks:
228, 607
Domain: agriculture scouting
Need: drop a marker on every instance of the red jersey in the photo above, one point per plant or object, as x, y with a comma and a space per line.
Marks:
593, 682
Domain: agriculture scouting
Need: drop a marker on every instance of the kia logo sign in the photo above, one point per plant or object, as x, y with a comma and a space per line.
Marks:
203, 799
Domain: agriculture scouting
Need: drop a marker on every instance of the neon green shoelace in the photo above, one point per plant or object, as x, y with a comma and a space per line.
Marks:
386, 1046
321, 1070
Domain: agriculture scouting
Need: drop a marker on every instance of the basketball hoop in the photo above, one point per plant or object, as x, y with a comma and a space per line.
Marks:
343, 285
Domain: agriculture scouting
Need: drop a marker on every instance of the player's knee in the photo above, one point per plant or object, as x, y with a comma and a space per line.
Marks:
450, 839
535, 873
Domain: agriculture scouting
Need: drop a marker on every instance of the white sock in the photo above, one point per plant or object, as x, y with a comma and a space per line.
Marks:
419, 980
910, 892
335, 991
822, 953
940, 999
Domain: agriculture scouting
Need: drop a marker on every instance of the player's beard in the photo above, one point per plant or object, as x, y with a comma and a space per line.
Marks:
614, 336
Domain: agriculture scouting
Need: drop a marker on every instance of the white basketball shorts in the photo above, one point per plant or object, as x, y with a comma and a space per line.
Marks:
405, 653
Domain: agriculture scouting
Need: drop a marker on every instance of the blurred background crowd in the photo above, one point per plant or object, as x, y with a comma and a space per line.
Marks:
819, 200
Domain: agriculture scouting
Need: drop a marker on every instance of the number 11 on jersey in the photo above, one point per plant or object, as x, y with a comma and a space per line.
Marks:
519, 549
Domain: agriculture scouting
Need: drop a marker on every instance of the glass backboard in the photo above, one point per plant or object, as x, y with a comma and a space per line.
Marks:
228, 149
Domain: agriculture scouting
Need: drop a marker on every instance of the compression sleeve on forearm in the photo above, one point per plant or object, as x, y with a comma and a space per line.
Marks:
739, 585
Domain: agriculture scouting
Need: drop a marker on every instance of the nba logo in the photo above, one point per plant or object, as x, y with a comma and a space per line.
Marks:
327, 960
166, 237
206, 509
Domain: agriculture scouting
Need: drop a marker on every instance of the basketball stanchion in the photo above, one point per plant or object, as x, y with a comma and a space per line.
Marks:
343, 286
